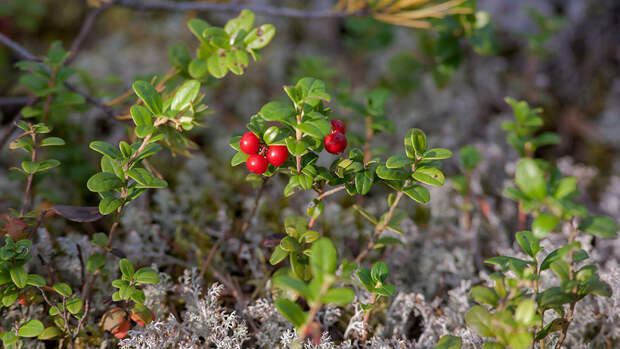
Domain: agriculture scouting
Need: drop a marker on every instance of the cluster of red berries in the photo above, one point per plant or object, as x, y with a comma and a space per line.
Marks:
336, 142
261, 155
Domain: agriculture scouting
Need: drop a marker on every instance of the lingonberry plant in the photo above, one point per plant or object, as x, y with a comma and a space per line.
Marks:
518, 310
302, 126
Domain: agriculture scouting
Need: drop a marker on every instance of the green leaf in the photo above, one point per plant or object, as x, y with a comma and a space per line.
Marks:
49, 333
311, 89
278, 111
63, 289
379, 272
544, 224
385, 290
100, 239
437, 154
31, 329
198, 68
148, 95
106, 149
239, 158
109, 204
39, 166
338, 296
415, 143
529, 244
561, 269
566, 187
145, 179
95, 261
141, 116
278, 255
429, 175
602, 226
479, 319
290, 244
315, 128
103, 181
51, 141
296, 147
363, 181
369, 216
35, 280
146, 276
520, 340
470, 157
525, 312
484, 295
291, 311
237, 61
449, 342
217, 65
391, 173
74, 305
143, 131
137, 296
366, 278
149, 150
398, 161
126, 268
19, 275
417, 193
323, 257
244, 21
260, 37
530, 179
197, 27
286, 281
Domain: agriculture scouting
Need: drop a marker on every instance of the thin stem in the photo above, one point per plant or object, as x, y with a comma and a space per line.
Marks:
330, 192
369, 135
87, 25
314, 309
571, 275
300, 115
33, 158
230, 7
373, 299
382, 226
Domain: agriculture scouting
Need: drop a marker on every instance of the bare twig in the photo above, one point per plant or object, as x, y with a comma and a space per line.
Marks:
373, 299
231, 7
571, 275
381, 227
14, 100
17, 48
87, 25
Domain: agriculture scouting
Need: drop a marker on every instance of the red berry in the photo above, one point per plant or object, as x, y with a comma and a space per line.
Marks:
335, 143
249, 143
338, 126
277, 154
257, 164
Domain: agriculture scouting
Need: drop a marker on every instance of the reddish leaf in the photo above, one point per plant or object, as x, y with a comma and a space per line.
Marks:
78, 213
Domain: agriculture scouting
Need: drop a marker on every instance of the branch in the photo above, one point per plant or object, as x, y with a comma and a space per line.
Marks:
85, 30
17, 48
13, 101
230, 7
